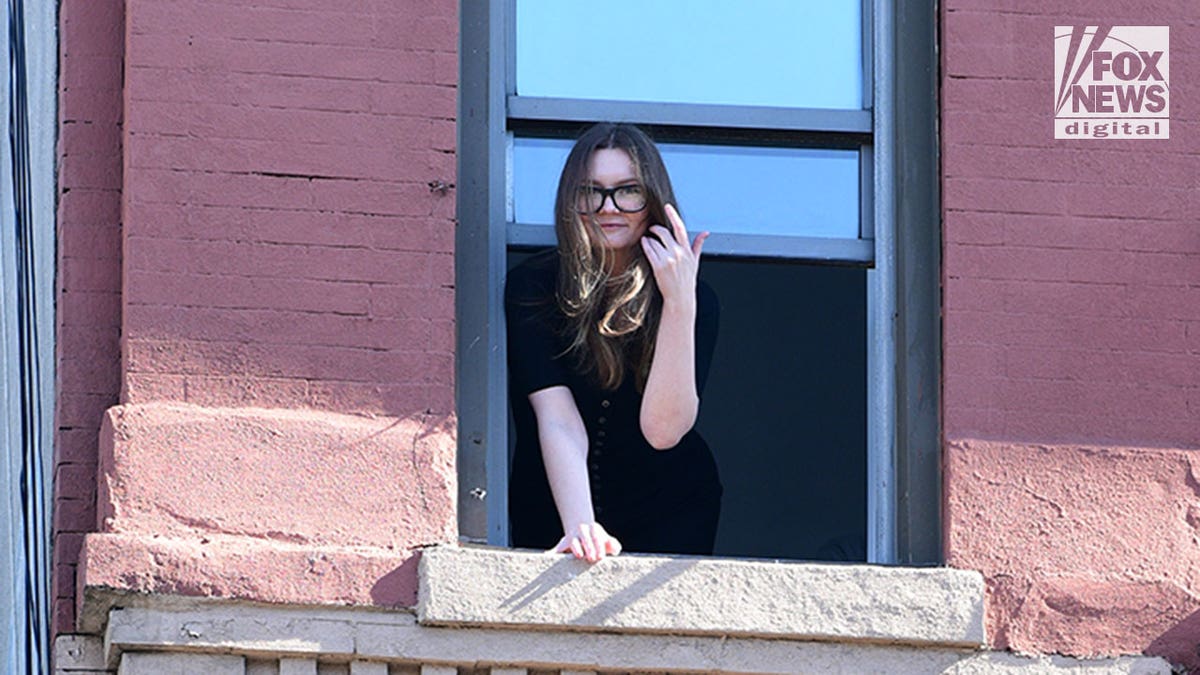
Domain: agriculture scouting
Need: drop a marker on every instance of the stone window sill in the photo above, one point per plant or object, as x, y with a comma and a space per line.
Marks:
486, 587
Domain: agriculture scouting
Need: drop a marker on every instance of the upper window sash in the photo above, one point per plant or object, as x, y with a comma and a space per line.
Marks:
757, 53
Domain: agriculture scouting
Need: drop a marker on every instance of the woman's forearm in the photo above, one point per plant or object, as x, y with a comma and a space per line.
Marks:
564, 453
670, 402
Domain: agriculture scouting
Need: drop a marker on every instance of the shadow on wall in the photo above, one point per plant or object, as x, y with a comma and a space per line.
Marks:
395, 589
1181, 644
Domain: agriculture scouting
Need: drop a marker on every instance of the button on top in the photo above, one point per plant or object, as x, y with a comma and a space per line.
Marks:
604, 403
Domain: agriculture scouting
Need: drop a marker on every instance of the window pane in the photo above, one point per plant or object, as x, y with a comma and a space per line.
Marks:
759, 52
728, 189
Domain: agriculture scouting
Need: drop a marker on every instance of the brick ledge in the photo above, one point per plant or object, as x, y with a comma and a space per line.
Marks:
187, 631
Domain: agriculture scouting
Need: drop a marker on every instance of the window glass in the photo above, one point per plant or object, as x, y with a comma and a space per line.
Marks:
722, 188
759, 52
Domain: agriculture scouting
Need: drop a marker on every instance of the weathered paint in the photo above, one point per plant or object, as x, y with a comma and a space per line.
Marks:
1072, 343
88, 312
282, 245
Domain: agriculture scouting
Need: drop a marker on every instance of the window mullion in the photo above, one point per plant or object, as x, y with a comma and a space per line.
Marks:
820, 120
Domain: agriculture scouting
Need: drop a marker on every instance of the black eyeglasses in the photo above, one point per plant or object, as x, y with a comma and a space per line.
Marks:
627, 198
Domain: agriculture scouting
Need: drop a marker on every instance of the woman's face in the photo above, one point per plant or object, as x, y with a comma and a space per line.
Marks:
613, 168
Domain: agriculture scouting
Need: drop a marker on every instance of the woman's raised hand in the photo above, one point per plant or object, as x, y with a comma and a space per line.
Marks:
674, 261
588, 541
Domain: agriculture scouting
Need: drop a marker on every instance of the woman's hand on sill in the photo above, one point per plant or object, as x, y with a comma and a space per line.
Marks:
588, 541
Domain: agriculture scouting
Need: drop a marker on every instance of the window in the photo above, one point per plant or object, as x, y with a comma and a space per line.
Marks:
780, 98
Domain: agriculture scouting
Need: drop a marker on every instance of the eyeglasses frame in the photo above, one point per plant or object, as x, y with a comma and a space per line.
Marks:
607, 193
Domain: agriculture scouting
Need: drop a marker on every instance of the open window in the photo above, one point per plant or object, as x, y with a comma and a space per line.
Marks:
777, 124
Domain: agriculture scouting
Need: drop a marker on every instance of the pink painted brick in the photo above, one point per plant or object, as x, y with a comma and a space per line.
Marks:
1065, 298
244, 292
362, 197
210, 120
282, 156
102, 242
418, 100
381, 398
85, 73
91, 28
89, 310
1007, 262
964, 422
993, 95
1134, 202
973, 227
976, 360
63, 615
980, 60
81, 409
339, 363
339, 266
90, 275
1168, 269
973, 294
404, 302
63, 582
442, 335
74, 515
282, 58
1098, 333
445, 68
158, 83
253, 23
972, 391
217, 390
143, 387
972, 327
98, 105
89, 175
76, 480
231, 327
76, 445
404, 233
990, 194
87, 368
90, 207
67, 545
1054, 231
1009, 163
1179, 236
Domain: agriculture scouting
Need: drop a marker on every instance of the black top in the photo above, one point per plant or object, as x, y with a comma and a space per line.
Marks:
635, 488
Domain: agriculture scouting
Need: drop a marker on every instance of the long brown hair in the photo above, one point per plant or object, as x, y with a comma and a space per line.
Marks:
612, 317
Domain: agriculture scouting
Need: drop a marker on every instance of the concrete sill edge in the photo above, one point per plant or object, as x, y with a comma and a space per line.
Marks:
492, 587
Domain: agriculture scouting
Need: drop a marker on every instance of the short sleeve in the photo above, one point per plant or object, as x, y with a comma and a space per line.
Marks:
708, 316
534, 360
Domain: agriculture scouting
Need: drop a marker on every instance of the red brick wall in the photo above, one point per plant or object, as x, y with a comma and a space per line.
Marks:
1072, 268
1071, 277
282, 245
260, 230
91, 49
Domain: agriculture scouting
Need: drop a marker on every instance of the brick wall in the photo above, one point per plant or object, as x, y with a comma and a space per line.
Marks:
1072, 268
260, 230
89, 270
1071, 341
283, 247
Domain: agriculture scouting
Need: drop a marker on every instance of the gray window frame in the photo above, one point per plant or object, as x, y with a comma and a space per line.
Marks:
899, 141
28, 132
